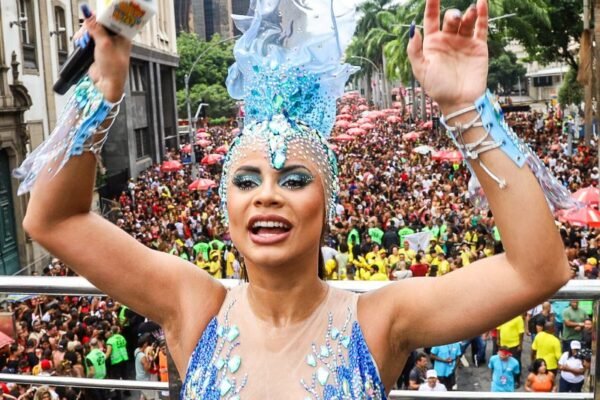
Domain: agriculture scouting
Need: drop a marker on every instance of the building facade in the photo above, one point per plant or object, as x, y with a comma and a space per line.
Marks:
35, 40
209, 17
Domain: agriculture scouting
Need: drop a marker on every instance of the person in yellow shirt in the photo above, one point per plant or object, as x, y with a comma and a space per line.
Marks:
546, 346
394, 258
378, 275
467, 255
214, 266
510, 335
201, 262
408, 253
442, 264
331, 270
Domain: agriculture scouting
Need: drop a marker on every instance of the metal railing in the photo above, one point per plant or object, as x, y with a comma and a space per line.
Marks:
575, 290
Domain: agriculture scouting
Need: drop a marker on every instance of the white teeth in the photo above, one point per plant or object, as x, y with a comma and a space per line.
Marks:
269, 224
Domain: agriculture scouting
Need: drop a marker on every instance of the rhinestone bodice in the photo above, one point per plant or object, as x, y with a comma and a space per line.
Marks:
323, 358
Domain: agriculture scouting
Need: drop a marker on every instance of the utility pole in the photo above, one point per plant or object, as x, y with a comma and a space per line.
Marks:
589, 87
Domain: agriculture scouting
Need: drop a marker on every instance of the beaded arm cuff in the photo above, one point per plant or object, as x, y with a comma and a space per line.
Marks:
79, 129
501, 136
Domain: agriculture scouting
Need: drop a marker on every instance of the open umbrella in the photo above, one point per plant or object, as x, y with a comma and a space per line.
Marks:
200, 130
423, 150
363, 108
428, 125
203, 143
583, 217
411, 135
397, 104
171, 166
202, 135
5, 340
367, 126
186, 149
347, 117
342, 123
448, 155
235, 131
202, 184
222, 149
342, 138
357, 131
212, 159
588, 195
390, 111
394, 119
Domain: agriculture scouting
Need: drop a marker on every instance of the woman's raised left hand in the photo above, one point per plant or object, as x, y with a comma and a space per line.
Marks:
452, 63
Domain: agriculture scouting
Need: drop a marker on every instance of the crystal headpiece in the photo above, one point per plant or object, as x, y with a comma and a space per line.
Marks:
289, 73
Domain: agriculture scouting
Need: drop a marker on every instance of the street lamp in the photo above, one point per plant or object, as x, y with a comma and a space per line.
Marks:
375, 67
187, 93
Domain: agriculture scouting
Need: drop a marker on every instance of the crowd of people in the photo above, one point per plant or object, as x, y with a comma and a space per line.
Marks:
402, 212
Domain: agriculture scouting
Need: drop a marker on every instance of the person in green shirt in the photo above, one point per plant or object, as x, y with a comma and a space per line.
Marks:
216, 242
573, 322
95, 363
376, 234
201, 247
404, 232
353, 238
116, 352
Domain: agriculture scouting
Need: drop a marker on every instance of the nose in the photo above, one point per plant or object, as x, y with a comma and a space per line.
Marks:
268, 195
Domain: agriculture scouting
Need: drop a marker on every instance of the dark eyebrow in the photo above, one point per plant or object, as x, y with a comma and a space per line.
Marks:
286, 169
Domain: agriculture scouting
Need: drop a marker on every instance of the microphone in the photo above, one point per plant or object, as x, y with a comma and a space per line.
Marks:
119, 17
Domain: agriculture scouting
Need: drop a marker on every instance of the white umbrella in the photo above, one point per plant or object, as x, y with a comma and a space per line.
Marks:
423, 150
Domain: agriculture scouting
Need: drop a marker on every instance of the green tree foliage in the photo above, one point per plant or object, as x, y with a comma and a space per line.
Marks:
571, 92
552, 42
207, 81
505, 72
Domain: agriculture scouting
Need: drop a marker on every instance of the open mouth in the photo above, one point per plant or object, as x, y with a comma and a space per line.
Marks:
269, 228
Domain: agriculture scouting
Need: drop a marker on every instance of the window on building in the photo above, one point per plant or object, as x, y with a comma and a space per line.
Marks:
28, 39
143, 143
137, 78
61, 35
542, 81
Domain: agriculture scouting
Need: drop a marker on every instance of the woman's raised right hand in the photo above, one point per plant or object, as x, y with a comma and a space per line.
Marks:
111, 59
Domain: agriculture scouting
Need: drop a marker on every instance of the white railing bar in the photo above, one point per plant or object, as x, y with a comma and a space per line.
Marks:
409, 395
83, 382
575, 289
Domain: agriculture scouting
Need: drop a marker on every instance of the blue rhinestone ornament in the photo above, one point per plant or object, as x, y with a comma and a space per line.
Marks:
83, 114
288, 72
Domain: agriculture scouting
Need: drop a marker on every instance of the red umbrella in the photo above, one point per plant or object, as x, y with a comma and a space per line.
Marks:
448, 155
394, 119
202, 135
222, 149
171, 166
588, 195
363, 121
357, 131
347, 117
411, 136
390, 111
235, 131
583, 217
187, 149
200, 130
5, 340
212, 159
397, 104
376, 114
202, 184
363, 108
343, 138
367, 127
203, 143
342, 124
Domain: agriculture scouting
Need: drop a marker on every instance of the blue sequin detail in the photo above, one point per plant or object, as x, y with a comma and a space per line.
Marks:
340, 374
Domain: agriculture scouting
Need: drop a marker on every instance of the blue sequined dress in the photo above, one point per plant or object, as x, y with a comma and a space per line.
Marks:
324, 357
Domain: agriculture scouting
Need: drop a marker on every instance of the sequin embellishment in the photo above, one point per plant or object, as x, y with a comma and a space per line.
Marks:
343, 367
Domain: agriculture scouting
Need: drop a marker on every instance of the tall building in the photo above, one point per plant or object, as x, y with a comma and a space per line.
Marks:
35, 40
207, 17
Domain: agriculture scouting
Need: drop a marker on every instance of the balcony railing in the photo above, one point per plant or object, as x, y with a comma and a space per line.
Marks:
575, 290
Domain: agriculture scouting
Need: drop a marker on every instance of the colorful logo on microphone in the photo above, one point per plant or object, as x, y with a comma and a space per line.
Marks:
128, 13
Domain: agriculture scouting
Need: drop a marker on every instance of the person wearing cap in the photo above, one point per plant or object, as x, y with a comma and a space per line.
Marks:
571, 369
504, 369
432, 384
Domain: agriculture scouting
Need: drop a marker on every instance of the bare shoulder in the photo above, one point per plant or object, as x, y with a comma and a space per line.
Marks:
199, 298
